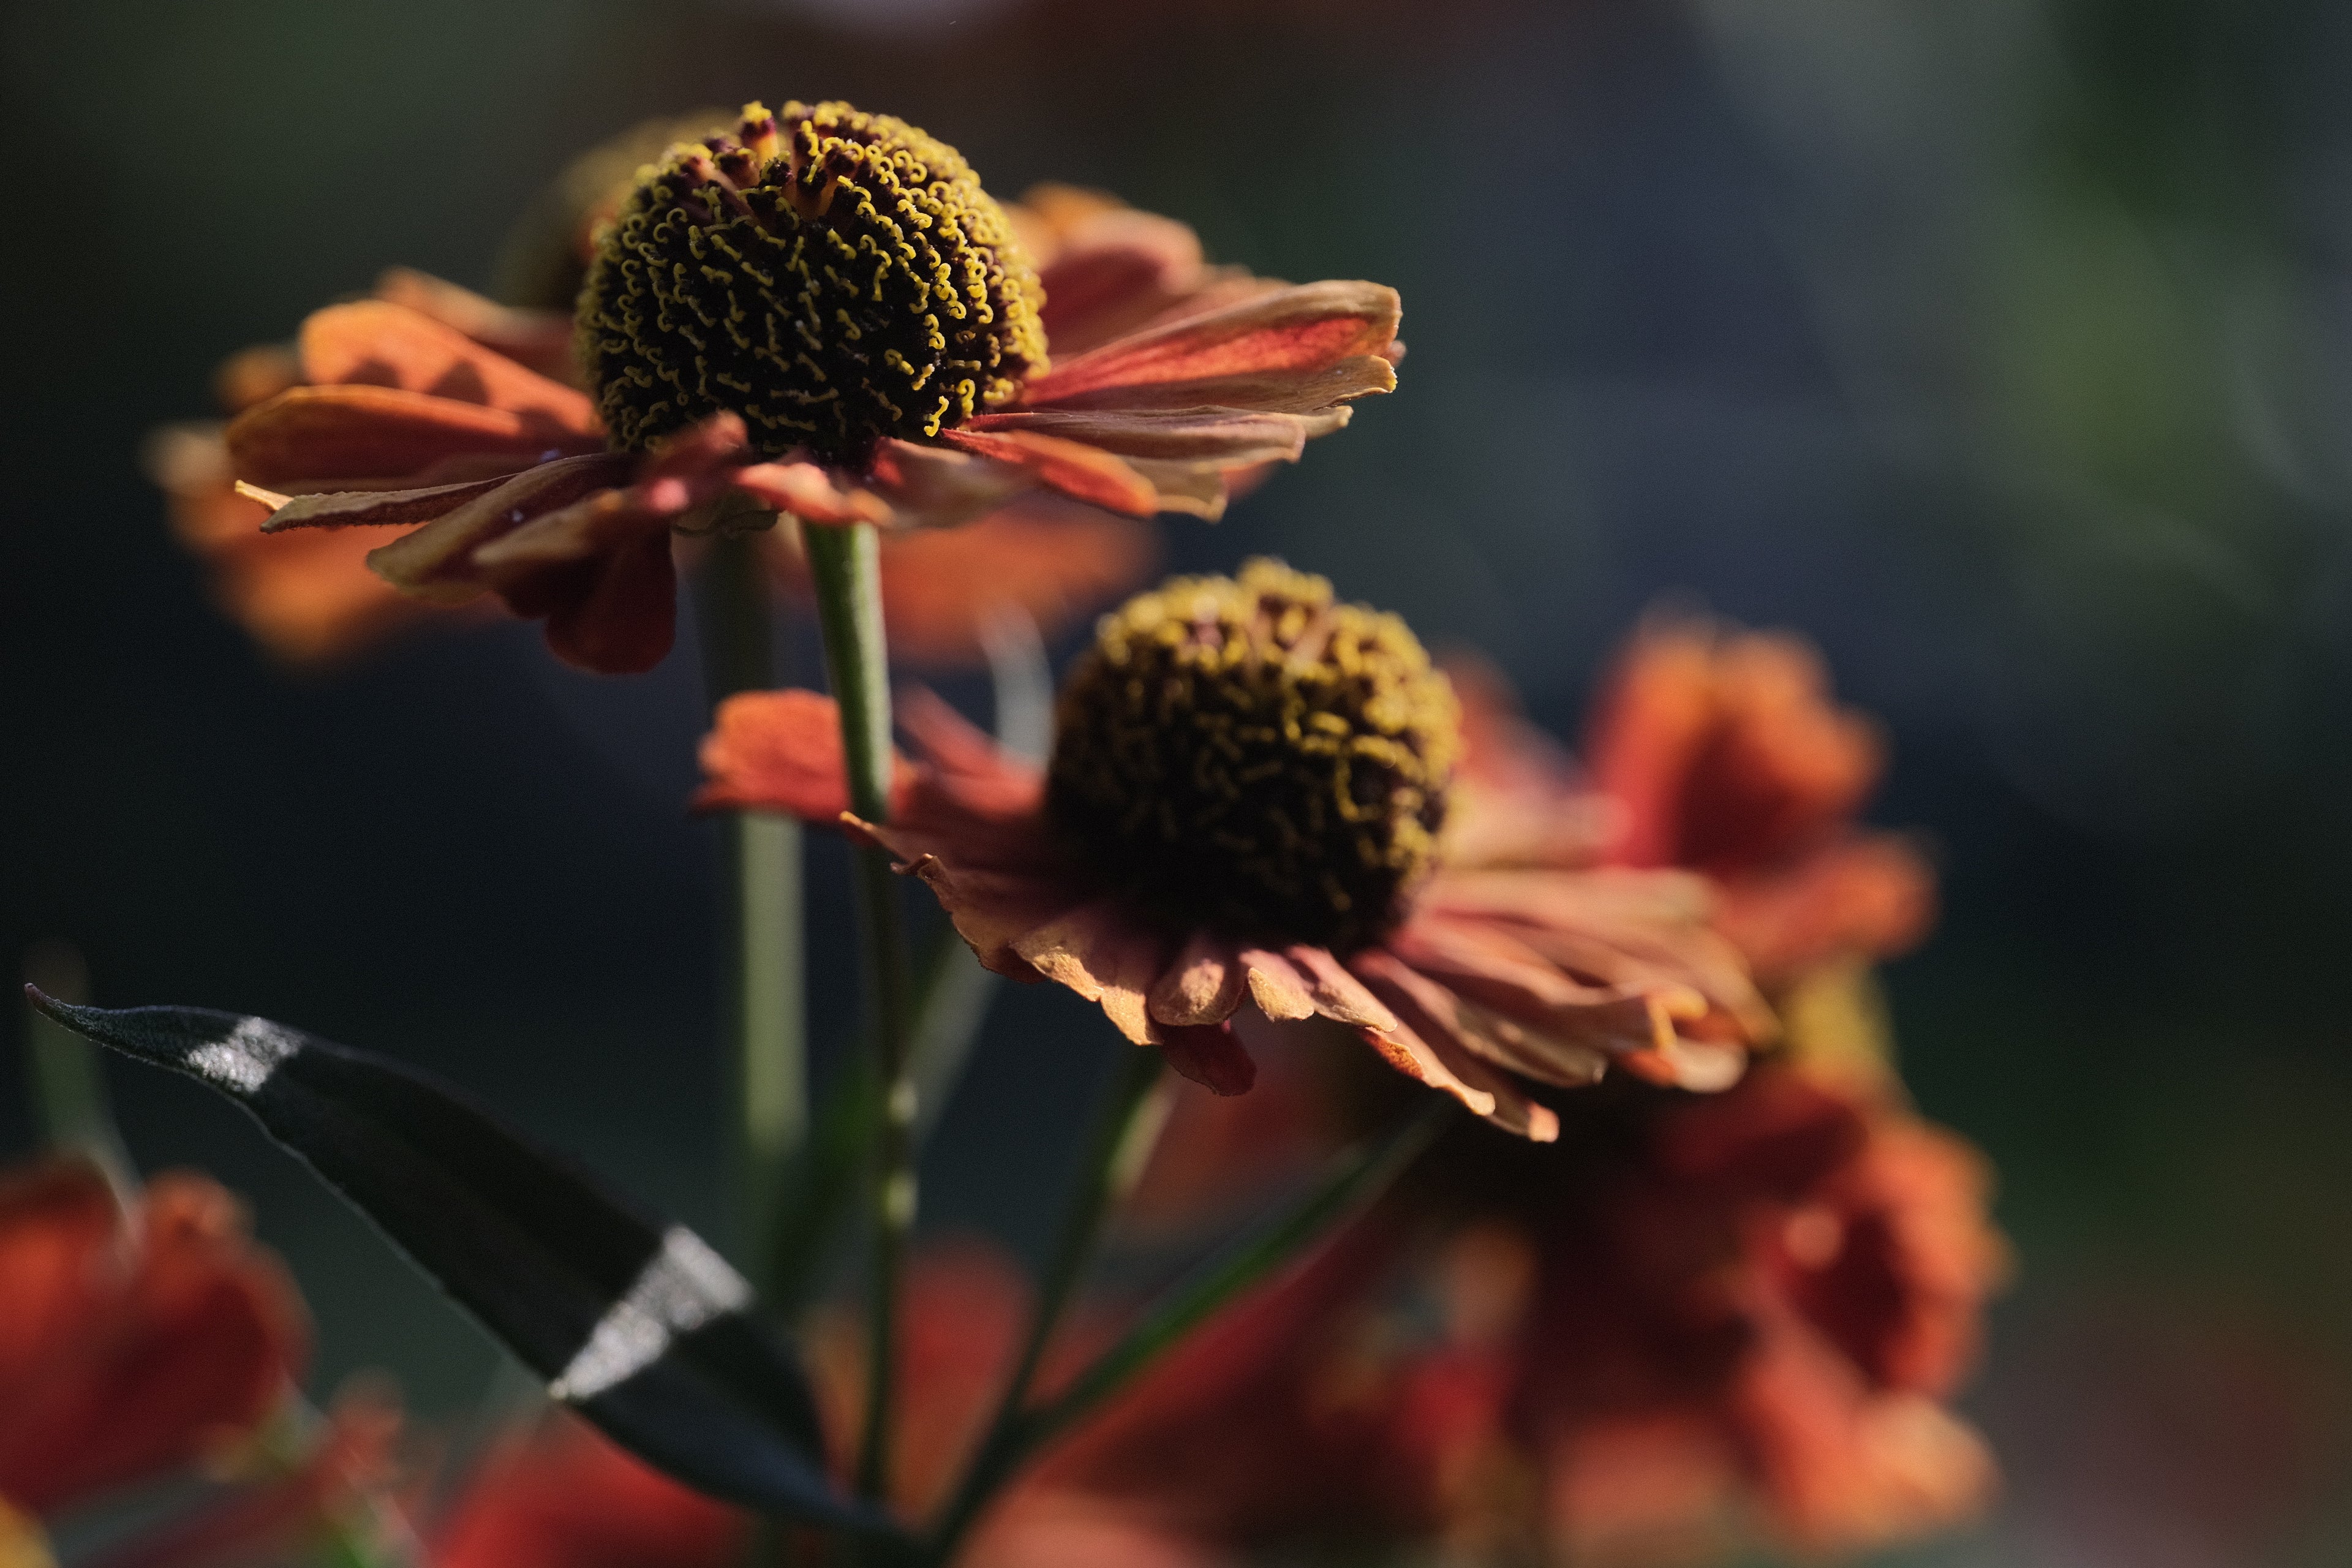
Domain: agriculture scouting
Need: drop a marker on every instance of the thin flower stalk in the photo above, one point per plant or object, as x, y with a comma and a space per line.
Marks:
765, 1008
845, 566
1355, 1180
1108, 1156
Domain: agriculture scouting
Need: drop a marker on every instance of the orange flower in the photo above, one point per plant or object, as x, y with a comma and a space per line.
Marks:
821, 313
132, 1343
1725, 755
1761, 1307
561, 1496
1244, 807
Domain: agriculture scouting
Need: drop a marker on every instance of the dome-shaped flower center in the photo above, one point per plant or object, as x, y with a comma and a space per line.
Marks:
1253, 757
835, 277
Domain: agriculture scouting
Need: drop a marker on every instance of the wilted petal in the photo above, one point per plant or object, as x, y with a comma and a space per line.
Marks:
938, 486
369, 509
1202, 986
1105, 955
806, 491
436, 560
1323, 392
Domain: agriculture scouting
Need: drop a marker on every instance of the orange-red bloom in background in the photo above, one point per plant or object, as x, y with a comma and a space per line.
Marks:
132, 1343
1475, 980
1725, 754
560, 1495
1170, 377
1755, 1319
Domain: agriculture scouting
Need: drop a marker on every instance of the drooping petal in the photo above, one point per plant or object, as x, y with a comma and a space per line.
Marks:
1305, 328
1211, 1054
307, 434
435, 561
1321, 393
618, 615
1279, 990
939, 486
808, 492
375, 342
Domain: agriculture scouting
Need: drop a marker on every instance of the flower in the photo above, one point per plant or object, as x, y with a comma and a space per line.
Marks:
1758, 1309
1245, 804
820, 314
136, 1342
1725, 754
559, 1495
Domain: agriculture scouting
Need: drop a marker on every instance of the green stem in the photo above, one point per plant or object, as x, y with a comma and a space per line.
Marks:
1106, 1168
846, 567
765, 1016
1354, 1181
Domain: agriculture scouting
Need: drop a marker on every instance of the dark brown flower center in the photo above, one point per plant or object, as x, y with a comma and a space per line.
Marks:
835, 277
1253, 757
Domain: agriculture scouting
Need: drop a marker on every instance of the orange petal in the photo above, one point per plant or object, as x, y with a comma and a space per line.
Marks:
373, 342
1429, 1055
330, 433
806, 491
1306, 327
1211, 1056
936, 487
779, 750
992, 912
1202, 986
1438, 1014
1085, 473
1338, 994
539, 340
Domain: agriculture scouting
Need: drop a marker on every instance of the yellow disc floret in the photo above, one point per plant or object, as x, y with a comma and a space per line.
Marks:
1255, 757
835, 277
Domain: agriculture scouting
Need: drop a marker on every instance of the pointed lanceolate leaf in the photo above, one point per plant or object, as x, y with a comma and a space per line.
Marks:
639, 1326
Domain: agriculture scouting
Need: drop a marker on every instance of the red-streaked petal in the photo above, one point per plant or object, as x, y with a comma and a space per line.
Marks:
1306, 327
1085, 473
1230, 437
1211, 1056
1439, 1014
1202, 986
1322, 391
370, 508
780, 751
342, 433
374, 342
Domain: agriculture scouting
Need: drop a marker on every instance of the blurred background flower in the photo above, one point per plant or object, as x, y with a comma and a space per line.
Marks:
2002, 349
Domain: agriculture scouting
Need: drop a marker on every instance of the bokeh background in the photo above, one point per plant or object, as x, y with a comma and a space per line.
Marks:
2005, 348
